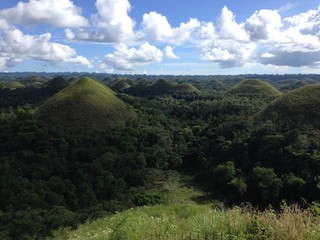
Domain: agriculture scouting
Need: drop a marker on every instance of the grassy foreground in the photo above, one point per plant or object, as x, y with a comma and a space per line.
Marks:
191, 221
183, 218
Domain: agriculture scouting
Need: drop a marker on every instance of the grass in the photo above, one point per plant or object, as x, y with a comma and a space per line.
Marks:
177, 220
301, 105
14, 85
86, 103
163, 86
185, 87
254, 87
182, 218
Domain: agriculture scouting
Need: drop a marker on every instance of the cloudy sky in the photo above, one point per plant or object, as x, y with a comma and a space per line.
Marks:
160, 36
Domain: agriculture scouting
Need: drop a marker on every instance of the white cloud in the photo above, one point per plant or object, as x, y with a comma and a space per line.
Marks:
16, 47
155, 27
58, 13
264, 38
111, 23
125, 58
229, 28
4, 25
302, 42
264, 25
168, 53
228, 53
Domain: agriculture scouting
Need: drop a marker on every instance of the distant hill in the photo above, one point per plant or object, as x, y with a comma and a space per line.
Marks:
163, 86
56, 84
86, 103
121, 84
297, 107
254, 87
12, 85
184, 87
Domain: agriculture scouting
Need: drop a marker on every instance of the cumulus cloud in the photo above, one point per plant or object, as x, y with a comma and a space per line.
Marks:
301, 46
16, 47
229, 28
168, 53
264, 25
58, 13
111, 23
264, 38
155, 27
228, 53
125, 58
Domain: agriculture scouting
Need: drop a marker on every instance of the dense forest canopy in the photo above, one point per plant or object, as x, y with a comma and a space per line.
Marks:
55, 175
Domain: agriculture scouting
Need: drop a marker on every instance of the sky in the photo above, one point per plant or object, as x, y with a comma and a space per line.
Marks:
180, 37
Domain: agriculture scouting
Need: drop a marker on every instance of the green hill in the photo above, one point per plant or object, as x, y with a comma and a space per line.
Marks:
2, 85
14, 85
86, 103
254, 87
163, 86
184, 87
56, 84
297, 107
121, 84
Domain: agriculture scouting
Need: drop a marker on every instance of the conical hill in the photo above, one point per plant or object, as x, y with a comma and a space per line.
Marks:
254, 87
86, 103
295, 108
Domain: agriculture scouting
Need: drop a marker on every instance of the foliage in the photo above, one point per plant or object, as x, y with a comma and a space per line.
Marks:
175, 221
56, 175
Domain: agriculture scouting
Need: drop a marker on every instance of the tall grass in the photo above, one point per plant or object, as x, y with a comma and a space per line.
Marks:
185, 221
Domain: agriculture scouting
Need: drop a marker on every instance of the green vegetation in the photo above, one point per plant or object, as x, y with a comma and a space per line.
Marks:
14, 85
254, 87
184, 221
86, 103
56, 84
184, 87
137, 164
295, 108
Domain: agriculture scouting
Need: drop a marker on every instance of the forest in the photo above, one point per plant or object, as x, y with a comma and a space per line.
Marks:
241, 146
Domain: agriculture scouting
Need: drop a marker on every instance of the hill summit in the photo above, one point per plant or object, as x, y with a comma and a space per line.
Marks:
297, 107
254, 87
86, 103
163, 86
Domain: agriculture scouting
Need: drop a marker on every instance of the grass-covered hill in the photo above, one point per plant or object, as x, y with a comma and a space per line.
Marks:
121, 84
254, 87
185, 87
56, 84
163, 86
86, 103
297, 107
12, 85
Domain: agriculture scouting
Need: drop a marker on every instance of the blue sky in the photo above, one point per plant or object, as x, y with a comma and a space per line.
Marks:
160, 37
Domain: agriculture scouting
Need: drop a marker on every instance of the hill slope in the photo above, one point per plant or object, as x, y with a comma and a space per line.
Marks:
56, 84
163, 86
14, 85
182, 218
254, 87
184, 87
86, 103
296, 107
